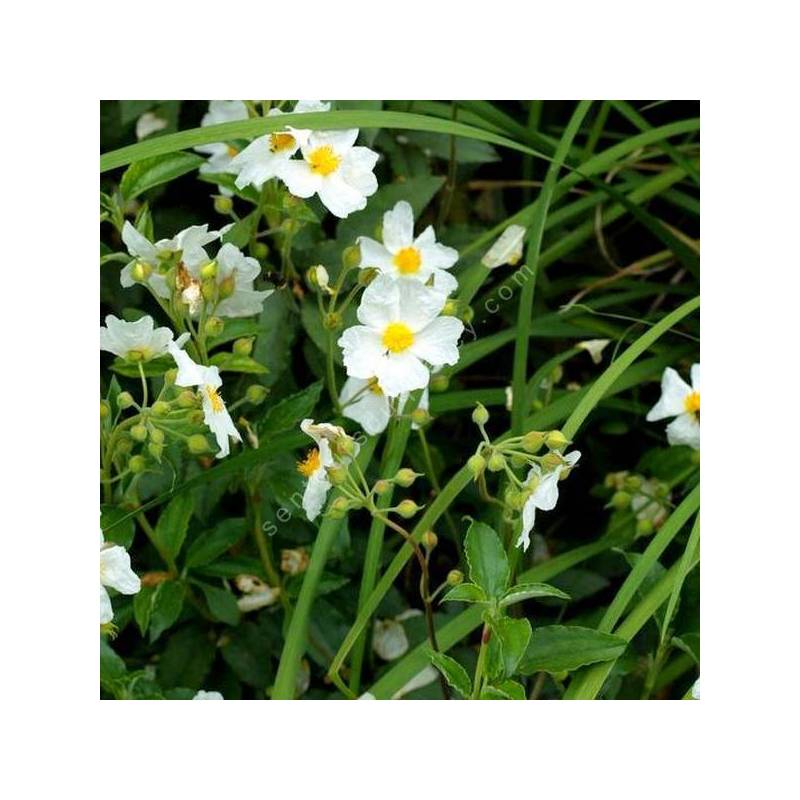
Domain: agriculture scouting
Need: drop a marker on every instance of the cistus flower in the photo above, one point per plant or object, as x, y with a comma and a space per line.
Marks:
189, 243
681, 401
594, 347
116, 572
507, 249
333, 168
314, 465
367, 404
264, 157
220, 154
207, 381
148, 124
203, 695
389, 639
404, 257
543, 490
401, 328
137, 341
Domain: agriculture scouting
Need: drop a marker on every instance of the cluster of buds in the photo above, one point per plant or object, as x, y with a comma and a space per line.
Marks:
648, 498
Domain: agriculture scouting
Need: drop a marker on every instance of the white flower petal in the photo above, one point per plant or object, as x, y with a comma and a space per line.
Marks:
374, 254
507, 249
362, 351
370, 410
418, 305
673, 392
389, 639
106, 611
437, 343
695, 376
340, 197
684, 429
401, 372
300, 180
398, 227
315, 493
545, 496
203, 695
116, 572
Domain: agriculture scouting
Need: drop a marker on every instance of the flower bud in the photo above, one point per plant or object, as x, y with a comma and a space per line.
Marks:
407, 508
137, 464
366, 276
155, 450
318, 277
157, 436
351, 257
439, 382
208, 290
186, 399
620, 500
515, 499
339, 507
159, 408
344, 447
430, 540
532, 441
243, 346
480, 416
259, 250
139, 432
497, 462
450, 308
337, 474
455, 577
332, 321
170, 376
124, 446
405, 477
256, 394
141, 272
555, 440
467, 314
209, 271
645, 527
125, 400
223, 204
196, 417
476, 464
198, 444
227, 287
632, 483
214, 326
105, 409
551, 461
420, 417
381, 487
518, 461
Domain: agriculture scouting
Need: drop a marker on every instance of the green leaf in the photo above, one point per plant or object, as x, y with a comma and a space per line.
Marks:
514, 690
221, 604
468, 151
488, 565
167, 603
210, 545
526, 591
151, 369
466, 593
187, 658
288, 413
173, 524
230, 362
143, 607
512, 635
112, 667
151, 172
120, 525
277, 326
455, 675
563, 648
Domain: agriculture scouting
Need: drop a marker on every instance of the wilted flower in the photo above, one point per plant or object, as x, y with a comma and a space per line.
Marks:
400, 329
295, 561
404, 257
681, 401
116, 572
137, 341
507, 249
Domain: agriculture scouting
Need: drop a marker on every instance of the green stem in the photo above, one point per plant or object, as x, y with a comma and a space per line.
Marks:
476, 686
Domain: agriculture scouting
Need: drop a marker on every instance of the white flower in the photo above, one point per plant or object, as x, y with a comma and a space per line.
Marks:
365, 402
333, 168
681, 401
507, 249
207, 380
189, 243
264, 157
389, 639
400, 329
315, 463
423, 678
245, 301
257, 600
594, 347
544, 495
403, 256
203, 695
220, 154
116, 572
696, 690
136, 341
149, 123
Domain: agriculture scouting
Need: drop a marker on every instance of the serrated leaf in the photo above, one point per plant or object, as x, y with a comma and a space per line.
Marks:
221, 604
455, 675
493, 693
527, 591
514, 690
212, 544
289, 412
510, 639
466, 593
563, 648
488, 565
151, 172
119, 523
172, 525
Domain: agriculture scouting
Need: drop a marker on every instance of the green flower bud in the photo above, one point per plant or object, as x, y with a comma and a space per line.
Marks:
420, 417
105, 409
139, 432
125, 400
344, 447
518, 461
515, 499
532, 441
450, 308
480, 416
157, 436
196, 417
332, 322
170, 376
467, 314
214, 326
439, 382
137, 464
256, 394
208, 289
405, 477
351, 257
155, 450
243, 346
455, 577
337, 474
633, 483
339, 507
497, 462
223, 204
555, 440
227, 287
259, 250
198, 444
186, 399
141, 271
318, 277
159, 408
551, 460
645, 527
382, 486
476, 464
366, 276
209, 271
430, 540
620, 500
407, 508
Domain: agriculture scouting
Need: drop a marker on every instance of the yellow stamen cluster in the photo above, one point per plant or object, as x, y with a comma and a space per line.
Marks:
323, 160
216, 401
407, 261
397, 337
232, 151
280, 141
375, 387
310, 464
692, 403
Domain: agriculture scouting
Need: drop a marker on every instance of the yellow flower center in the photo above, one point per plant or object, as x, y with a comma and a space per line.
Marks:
216, 401
407, 260
232, 151
323, 160
692, 403
280, 141
397, 337
310, 464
